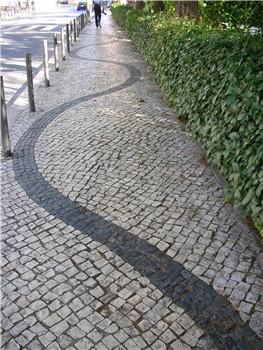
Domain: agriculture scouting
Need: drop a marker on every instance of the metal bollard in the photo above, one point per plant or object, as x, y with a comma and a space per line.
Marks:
56, 52
74, 29
30, 82
45, 59
71, 33
68, 41
77, 23
63, 52
6, 145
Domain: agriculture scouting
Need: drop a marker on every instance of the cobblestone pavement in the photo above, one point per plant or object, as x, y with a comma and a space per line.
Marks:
115, 233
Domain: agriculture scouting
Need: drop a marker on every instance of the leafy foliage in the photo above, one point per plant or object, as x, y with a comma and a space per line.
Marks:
233, 13
215, 79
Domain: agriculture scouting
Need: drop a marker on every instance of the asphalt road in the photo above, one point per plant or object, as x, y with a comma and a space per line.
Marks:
26, 34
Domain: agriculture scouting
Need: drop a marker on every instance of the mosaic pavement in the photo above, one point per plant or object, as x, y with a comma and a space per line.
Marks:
115, 233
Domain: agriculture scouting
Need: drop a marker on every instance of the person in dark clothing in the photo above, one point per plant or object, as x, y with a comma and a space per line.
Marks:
97, 10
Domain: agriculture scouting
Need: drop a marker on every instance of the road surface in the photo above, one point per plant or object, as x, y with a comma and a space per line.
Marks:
26, 34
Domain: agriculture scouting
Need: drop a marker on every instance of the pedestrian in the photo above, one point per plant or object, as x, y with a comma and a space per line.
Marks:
97, 4
105, 3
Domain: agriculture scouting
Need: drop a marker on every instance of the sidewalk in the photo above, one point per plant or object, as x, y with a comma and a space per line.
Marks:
115, 231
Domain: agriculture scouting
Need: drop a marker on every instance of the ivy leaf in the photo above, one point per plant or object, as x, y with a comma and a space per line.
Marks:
248, 197
234, 136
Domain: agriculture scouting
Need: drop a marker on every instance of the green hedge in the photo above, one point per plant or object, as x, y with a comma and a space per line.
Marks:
214, 79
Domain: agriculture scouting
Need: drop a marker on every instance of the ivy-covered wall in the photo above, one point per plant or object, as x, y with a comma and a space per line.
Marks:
215, 80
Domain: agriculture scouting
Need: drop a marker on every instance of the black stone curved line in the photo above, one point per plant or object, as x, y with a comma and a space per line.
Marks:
210, 311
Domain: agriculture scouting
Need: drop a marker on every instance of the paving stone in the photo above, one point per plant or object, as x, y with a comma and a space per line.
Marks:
16, 317
6, 324
95, 318
66, 297
251, 297
76, 304
47, 338
95, 335
35, 345
111, 329
37, 305
256, 321
237, 295
64, 341
18, 328
64, 311
245, 307
54, 346
21, 341
38, 329
10, 310
76, 333
133, 315
52, 319
97, 292
72, 319
158, 345
118, 302
56, 304
178, 345
167, 336
101, 346
84, 344
59, 328
149, 337
121, 336
28, 276
144, 325
125, 293
110, 342
12, 345
86, 326
140, 342
129, 344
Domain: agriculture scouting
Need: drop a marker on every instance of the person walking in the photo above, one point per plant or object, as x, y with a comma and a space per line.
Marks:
97, 9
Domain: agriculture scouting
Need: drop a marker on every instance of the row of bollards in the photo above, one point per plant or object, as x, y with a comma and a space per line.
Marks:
73, 30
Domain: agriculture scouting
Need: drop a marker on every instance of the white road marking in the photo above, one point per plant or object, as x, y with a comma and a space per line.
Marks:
48, 28
24, 32
31, 28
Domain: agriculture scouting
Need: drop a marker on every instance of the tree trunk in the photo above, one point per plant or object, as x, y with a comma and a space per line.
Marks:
129, 2
187, 9
157, 6
139, 5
